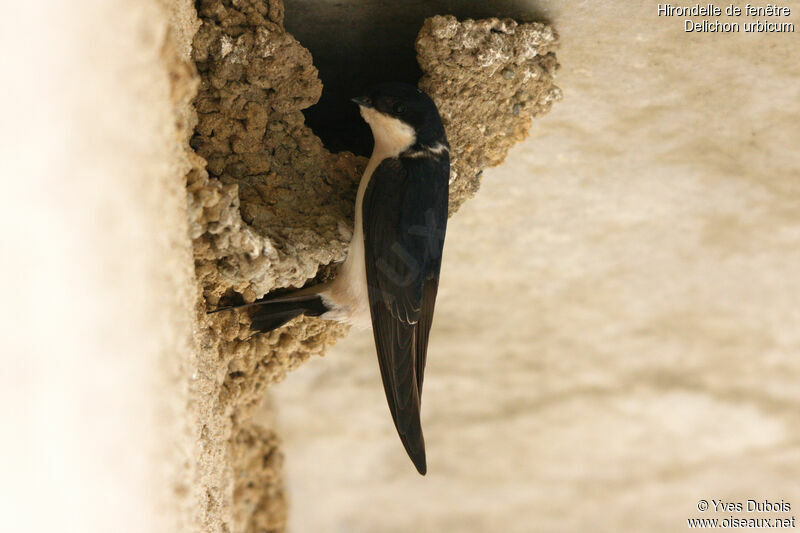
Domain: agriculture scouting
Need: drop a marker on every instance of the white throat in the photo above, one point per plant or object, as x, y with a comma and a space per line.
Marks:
392, 136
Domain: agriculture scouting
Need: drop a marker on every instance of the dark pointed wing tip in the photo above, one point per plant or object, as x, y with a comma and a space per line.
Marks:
420, 463
418, 458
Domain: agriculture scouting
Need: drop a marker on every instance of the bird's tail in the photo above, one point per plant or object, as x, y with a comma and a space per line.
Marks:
270, 313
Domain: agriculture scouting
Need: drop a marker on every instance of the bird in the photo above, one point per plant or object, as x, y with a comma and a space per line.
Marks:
390, 278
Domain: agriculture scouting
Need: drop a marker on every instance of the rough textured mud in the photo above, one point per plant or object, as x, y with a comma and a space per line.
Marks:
258, 491
489, 77
272, 208
269, 206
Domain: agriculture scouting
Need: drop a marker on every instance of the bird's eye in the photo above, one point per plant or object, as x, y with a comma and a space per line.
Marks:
399, 108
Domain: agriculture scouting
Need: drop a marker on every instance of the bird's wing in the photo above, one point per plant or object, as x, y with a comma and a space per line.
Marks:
404, 219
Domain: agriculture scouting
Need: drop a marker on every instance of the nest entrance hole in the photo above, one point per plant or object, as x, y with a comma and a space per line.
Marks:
358, 43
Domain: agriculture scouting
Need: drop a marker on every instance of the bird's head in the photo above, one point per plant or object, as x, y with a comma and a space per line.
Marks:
401, 117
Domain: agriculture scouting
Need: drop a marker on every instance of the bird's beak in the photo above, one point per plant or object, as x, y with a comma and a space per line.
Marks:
363, 101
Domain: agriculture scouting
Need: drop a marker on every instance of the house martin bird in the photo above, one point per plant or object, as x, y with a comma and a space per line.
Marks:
391, 275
